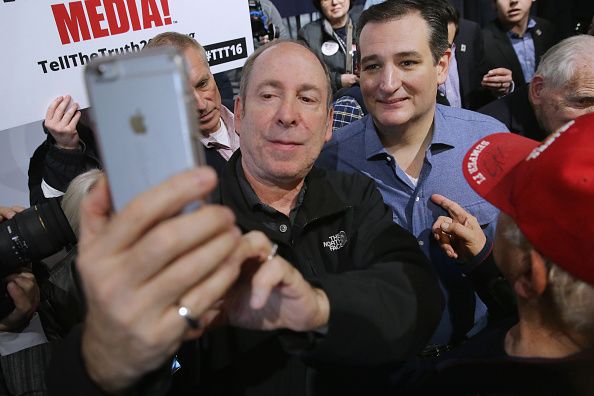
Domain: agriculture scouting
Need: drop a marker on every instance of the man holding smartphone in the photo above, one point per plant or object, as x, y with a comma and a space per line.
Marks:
70, 148
322, 294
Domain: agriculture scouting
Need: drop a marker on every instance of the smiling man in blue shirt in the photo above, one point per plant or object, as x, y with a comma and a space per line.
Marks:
414, 148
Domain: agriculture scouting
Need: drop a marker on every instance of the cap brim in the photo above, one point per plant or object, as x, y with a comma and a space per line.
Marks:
490, 164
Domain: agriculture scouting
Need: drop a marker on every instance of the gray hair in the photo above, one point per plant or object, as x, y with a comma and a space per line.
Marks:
560, 63
179, 41
572, 299
78, 188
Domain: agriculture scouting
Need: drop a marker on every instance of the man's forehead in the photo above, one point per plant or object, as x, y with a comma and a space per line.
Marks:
270, 67
276, 53
195, 61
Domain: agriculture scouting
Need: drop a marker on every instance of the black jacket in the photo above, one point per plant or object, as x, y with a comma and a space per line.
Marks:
315, 34
516, 112
384, 298
470, 60
499, 51
57, 167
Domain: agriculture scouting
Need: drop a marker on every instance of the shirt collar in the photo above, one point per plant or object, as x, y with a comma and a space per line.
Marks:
252, 198
225, 137
531, 25
373, 144
442, 135
321, 199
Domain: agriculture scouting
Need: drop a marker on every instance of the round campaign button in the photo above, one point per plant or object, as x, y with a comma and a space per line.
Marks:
329, 48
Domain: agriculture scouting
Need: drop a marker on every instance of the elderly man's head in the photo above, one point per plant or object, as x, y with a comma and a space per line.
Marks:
563, 85
283, 114
565, 301
544, 243
204, 87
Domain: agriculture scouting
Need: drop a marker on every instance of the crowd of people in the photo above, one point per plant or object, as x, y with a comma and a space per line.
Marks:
398, 204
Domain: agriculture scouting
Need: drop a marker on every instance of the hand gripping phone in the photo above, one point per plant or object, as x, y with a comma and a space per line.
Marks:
145, 119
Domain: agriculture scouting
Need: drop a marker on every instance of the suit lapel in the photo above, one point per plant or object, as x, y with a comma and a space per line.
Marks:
537, 38
504, 46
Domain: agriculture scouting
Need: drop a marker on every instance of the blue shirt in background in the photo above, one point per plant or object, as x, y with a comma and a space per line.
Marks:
524, 49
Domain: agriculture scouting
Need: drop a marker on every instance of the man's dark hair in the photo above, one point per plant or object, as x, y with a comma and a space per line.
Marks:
249, 66
450, 14
392, 10
318, 5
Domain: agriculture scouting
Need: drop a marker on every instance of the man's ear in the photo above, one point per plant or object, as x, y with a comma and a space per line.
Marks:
533, 282
442, 66
329, 123
237, 112
535, 90
539, 272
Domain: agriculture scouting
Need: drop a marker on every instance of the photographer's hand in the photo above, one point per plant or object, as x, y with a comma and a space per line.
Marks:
272, 294
140, 265
24, 292
7, 213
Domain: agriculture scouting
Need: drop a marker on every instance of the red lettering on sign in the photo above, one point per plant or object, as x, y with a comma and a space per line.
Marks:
133, 15
113, 10
166, 15
75, 25
150, 14
71, 25
95, 18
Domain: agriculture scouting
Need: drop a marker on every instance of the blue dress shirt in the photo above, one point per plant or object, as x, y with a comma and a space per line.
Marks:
357, 148
524, 49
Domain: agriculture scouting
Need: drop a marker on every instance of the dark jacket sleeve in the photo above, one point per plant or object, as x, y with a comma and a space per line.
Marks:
387, 308
67, 375
57, 167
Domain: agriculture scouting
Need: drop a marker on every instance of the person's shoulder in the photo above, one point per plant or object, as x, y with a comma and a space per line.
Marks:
472, 122
457, 114
543, 23
492, 29
352, 187
495, 108
468, 25
348, 133
313, 26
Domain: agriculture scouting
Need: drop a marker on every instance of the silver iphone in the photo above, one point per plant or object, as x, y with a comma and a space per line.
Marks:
145, 119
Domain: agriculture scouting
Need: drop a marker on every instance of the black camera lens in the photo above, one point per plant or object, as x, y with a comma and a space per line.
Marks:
32, 235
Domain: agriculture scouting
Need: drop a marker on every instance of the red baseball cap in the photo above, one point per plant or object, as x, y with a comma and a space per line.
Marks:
547, 188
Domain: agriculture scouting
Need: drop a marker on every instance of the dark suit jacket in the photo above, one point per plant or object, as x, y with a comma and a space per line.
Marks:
499, 51
515, 111
23, 372
470, 58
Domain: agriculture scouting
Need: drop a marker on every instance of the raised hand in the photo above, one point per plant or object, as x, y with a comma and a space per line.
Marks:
459, 235
61, 119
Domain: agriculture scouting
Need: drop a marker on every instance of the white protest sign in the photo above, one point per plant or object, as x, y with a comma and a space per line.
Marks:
45, 44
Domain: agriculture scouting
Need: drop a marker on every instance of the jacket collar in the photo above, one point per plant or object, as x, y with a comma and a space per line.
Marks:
321, 198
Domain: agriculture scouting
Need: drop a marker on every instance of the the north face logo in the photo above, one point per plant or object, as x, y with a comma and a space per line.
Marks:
335, 242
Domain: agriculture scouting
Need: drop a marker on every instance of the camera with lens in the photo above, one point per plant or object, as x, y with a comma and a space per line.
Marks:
260, 25
31, 235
